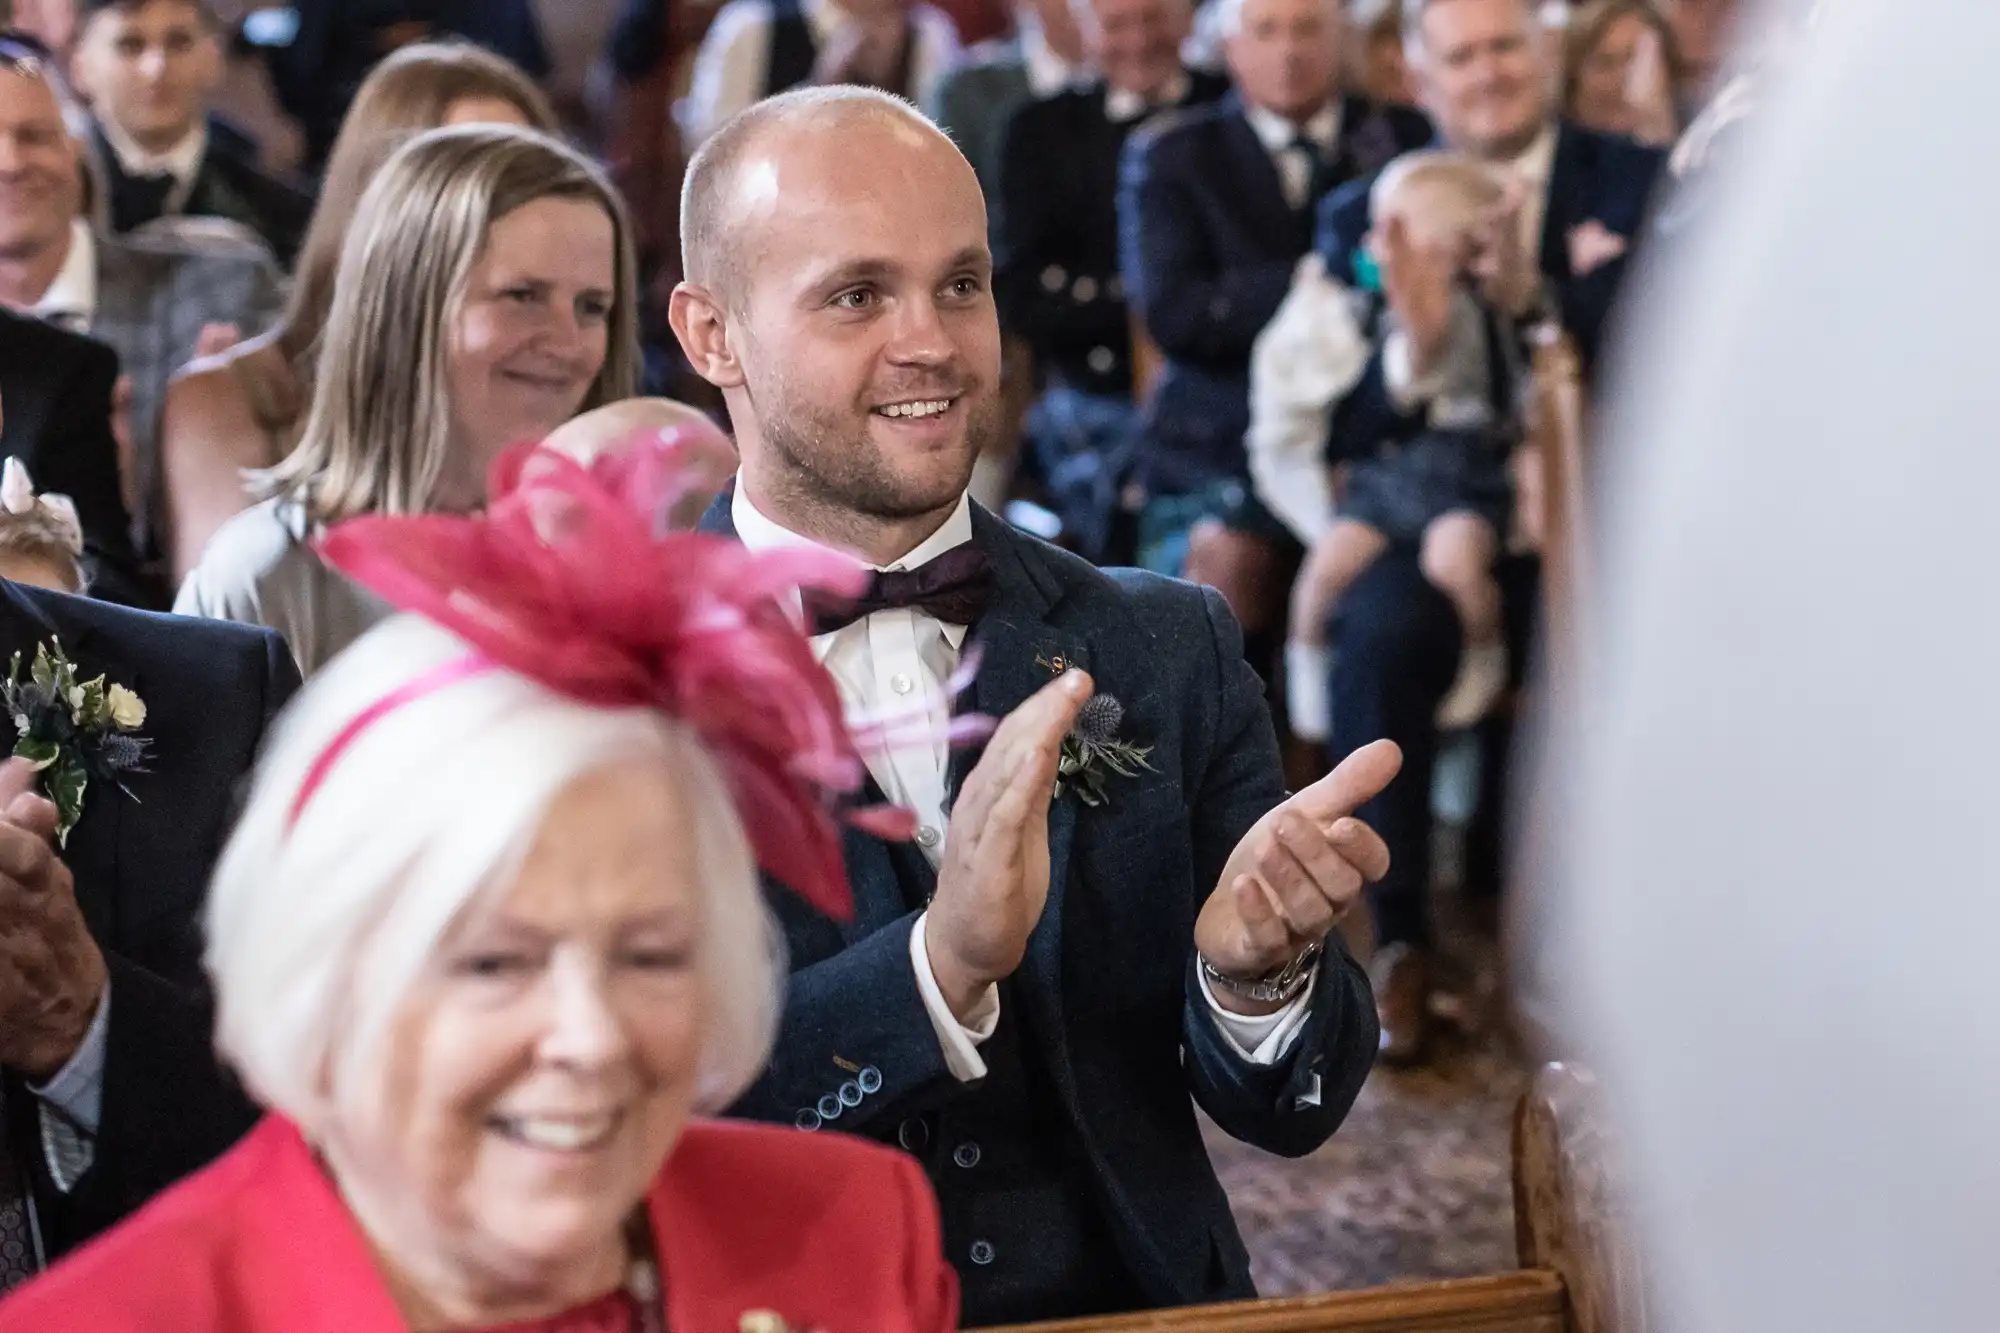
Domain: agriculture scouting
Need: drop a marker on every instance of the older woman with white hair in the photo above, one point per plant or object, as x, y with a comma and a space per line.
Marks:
489, 938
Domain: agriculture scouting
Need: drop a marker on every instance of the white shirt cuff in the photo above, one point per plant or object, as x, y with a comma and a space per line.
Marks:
960, 1041
1262, 1039
1405, 391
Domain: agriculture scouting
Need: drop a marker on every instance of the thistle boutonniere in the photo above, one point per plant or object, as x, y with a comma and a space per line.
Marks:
73, 730
1092, 752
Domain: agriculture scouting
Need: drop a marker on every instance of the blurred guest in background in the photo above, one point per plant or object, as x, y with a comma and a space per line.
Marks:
1704, 35
974, 102
243, 410
1377, 68
1056, 253
108, 1081
484, 297
151, 300
319, 73
148, 69
759, 47
1621, 71
485, 1020
1217, 208
57, 390
1581, 199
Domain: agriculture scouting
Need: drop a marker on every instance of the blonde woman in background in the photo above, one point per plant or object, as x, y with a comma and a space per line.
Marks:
243, 410
485, 297
1620, 69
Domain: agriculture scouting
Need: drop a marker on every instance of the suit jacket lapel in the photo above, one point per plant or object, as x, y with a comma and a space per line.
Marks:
1257, 175
1020, 652
1564, 192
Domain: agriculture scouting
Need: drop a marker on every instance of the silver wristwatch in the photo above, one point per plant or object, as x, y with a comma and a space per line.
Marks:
1279, 987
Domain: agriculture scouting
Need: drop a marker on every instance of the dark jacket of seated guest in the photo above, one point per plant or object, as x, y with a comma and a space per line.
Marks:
1056, 248
207, 177
55, 398
146, 1079
1599, 189
1211, 237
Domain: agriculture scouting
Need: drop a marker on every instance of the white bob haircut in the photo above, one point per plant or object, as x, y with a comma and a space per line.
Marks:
318, 930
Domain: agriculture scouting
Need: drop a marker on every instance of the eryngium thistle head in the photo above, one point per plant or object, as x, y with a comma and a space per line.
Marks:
1099, 719
121, 754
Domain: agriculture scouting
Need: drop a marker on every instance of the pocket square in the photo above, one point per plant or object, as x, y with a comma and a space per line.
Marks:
1592, 245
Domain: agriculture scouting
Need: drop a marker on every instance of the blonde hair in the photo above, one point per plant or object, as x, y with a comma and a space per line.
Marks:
1441, 195
321, 919
1588, 28
378, 434
409, 92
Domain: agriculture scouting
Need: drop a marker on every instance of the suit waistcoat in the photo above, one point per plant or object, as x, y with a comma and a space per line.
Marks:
1022, 1222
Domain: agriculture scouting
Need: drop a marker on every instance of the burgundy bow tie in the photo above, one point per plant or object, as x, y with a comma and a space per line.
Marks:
954, 588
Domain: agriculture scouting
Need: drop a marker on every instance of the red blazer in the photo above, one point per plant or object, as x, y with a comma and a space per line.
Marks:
828, 1232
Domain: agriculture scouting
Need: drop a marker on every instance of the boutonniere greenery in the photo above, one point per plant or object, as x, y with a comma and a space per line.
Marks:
73, 730
1092, 752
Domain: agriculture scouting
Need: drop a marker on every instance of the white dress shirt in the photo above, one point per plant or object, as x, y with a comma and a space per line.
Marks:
71, 300
898, 660
1278, 135
734, 62
182, 161
1122, 104
1048, 73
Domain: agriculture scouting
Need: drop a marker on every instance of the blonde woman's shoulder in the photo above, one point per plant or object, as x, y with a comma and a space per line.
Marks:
250, 554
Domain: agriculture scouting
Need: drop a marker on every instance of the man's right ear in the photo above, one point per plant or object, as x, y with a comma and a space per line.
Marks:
701, 323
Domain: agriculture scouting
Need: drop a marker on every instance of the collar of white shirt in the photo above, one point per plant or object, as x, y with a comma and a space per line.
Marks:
1277, 133
1537, 160
72, 297
760, 533
1048, 73
181, 161
1122, 104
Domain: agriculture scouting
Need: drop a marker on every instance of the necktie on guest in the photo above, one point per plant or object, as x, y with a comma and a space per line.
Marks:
17, 1246
1302, 182
136, 200
954, 588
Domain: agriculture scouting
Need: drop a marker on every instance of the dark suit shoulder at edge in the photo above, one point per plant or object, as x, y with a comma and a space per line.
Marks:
123, 624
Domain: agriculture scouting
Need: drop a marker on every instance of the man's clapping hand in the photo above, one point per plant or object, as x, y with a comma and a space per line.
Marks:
52, 974
994, 878
1296, 873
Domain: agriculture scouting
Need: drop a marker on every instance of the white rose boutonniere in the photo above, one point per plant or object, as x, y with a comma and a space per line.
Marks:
72, 730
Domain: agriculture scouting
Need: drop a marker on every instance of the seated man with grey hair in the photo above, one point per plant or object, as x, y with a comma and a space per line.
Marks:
1055, 253
1217, 208
488, 941
149, 299
1032, 998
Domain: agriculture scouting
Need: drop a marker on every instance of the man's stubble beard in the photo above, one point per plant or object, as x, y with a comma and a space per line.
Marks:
834, 467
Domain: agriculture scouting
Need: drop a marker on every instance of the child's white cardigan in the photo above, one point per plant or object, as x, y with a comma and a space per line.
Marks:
1309, 355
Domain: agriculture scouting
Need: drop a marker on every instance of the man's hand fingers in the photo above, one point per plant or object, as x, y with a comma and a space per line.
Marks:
1361, 847
34, 814
1313, 883
25, 857
1264, 932
1022, 753
1359, 779
17, 778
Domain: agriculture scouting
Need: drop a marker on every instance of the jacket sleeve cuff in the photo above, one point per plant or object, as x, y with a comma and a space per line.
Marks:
1261, 1039
959, 1041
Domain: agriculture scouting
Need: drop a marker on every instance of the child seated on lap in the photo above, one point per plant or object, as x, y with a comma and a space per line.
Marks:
1446, 490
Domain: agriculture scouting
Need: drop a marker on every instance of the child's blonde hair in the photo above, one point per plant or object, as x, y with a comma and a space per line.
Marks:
1441, 196
39, 529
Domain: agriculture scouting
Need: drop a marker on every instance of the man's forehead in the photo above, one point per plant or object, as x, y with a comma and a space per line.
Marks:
25, 98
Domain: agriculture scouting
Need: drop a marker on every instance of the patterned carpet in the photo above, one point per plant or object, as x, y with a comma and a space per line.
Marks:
1415, 1185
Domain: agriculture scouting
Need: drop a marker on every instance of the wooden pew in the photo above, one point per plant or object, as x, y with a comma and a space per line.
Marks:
1576, 1274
